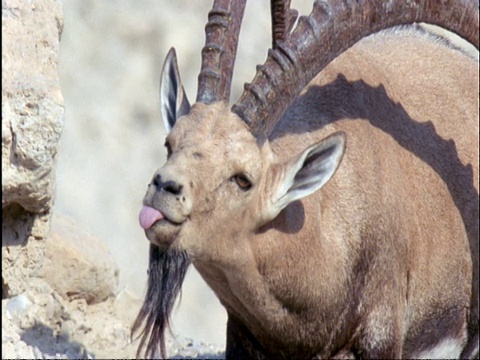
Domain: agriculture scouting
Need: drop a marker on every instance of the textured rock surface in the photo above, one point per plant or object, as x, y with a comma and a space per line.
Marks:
78, 265
32, 119
32, 104
22, 247
41, 324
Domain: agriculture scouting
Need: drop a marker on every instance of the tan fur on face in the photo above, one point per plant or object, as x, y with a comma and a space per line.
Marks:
198, 149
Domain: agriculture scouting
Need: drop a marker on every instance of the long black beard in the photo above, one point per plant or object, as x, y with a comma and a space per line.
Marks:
166, 272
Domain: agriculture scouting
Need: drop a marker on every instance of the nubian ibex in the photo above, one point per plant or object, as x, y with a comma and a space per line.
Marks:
334, 208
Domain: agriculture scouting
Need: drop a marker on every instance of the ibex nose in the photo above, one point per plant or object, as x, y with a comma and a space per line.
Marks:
170, 186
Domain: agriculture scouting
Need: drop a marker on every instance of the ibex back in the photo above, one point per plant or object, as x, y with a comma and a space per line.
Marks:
339, 221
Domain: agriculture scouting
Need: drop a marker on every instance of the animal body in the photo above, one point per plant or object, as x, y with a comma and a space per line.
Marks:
348, 226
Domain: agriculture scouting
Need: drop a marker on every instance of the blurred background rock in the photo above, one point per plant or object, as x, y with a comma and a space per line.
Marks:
111, 54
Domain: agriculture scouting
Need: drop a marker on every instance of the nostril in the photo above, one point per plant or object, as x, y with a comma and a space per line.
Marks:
157, 181
172, 187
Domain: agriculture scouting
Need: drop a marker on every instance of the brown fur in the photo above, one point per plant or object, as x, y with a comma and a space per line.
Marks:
378, 262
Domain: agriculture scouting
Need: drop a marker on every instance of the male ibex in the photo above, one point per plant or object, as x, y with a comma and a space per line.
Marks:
334, 208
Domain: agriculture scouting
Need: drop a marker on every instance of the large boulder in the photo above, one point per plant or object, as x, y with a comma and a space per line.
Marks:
32, 120
77, 264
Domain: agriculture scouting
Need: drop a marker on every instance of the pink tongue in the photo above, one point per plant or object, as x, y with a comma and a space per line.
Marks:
148, 216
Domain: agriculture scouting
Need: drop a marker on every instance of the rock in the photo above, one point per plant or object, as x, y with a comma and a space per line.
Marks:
32, 121
18, 305
126, 306
188, 349
77, 264
37, 353
22, 247
25, 352
32, 104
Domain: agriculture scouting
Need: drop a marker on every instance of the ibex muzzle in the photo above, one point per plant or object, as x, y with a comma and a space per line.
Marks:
334, 208
167, 205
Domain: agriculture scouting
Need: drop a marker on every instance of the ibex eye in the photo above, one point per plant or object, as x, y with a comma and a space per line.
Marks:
242, 182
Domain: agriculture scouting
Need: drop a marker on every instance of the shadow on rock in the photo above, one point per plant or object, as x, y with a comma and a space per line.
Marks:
43, 338
200, 356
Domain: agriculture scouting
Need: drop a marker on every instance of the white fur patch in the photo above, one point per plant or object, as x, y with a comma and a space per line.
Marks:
446, 349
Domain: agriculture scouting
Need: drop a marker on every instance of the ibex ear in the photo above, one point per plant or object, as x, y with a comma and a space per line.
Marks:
309, 171
173, 100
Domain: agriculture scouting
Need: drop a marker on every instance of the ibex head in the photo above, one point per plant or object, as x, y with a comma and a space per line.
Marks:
217, 174
221, 180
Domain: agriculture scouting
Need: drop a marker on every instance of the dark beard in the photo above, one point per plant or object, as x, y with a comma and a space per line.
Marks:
166, 272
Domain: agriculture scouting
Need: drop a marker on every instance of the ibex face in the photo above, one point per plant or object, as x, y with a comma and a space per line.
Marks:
217, 174
204, 183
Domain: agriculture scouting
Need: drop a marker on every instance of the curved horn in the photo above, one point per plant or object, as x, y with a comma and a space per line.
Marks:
218, 54
331, 28
283, 19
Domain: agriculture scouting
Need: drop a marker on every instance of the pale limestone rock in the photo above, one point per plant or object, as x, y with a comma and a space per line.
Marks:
78, 265
32, 104
32, 120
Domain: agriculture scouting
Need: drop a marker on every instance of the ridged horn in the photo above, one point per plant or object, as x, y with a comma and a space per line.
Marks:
218, 54
283, 19
333, 27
